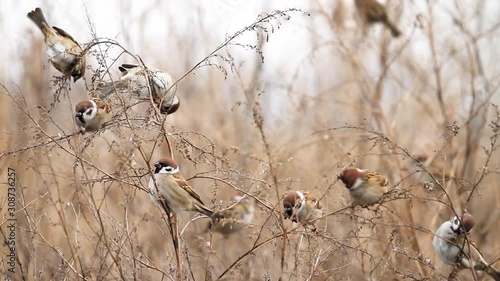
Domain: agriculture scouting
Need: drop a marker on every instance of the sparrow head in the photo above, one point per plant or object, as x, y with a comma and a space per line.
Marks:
462, 225
166, 165
468, 222
169, 107
421, 157
85, 110
352, 177
79, 69
293, 200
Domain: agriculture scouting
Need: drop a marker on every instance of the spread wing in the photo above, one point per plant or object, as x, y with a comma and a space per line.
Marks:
183, 183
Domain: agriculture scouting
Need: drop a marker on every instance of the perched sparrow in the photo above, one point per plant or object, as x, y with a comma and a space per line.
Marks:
63, 51
172, 192
233, 219
372, 11
453, 248
133, 78
436, 169
302, 207
366, 188
91, 115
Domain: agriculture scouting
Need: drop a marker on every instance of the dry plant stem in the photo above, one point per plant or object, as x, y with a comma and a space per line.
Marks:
259, 121
495, 125
435, 63
233, 36
234, 187
256, 246
172, 218
478, 111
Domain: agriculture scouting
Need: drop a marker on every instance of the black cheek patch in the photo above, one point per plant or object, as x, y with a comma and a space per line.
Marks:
80, 118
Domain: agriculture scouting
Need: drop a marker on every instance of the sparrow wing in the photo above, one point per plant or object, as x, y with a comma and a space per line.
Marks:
310, 197
64, 34
128, 66
183, 183
374, 178
102, 105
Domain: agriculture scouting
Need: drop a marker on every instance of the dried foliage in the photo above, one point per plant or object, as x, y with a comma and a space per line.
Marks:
83, 205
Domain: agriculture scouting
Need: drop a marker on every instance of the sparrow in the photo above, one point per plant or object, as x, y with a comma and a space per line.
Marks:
436, 169
453, 248
366, 188
63, 51
301, 207
372, 11
133, 78
234, 218
171, 191
91, 115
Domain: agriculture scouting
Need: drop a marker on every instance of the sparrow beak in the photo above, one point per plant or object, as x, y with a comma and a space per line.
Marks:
288, 212
157, 168
79, 116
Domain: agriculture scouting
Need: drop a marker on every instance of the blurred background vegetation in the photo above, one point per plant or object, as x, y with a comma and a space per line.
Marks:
307, 95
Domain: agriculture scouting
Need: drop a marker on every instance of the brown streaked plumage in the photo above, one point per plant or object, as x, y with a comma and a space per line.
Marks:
172, 192
366, 188
234, 218
372, 12
63, 51
302, 207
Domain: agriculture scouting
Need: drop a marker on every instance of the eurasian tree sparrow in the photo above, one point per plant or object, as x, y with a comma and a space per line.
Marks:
91, 115
63, 51
366, 188
436, 169
372, 11
453, 248
301, 207
133, 78
234, 218
172, 192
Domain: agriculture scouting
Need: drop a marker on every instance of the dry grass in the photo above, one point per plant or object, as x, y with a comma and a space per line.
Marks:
83, 206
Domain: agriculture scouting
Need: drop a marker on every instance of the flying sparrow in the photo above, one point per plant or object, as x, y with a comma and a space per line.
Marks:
172, 192
234, 218
366, 188
133, 78
372, 11
91, 115
453, 248
301, 207
63, 51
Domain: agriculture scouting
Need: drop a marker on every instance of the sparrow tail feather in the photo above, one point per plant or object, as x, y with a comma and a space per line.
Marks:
108, 88
493, 273
38, 18
174, 231
204, 210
